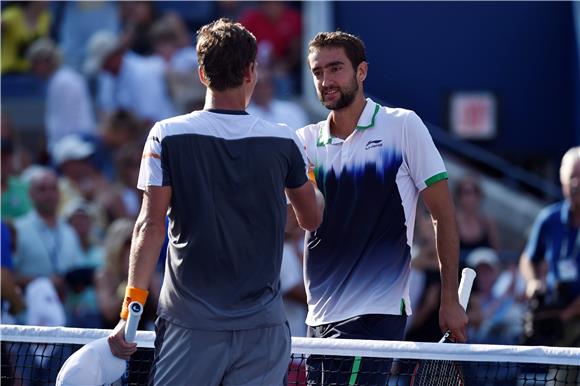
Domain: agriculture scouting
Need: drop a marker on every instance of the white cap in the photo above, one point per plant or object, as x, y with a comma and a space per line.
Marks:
43, 306
482, 256
70, 148
76, 205
101, 45
93, 364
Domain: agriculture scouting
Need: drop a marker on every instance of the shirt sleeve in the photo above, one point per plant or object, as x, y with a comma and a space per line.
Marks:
536, 246
423, 160
151, 172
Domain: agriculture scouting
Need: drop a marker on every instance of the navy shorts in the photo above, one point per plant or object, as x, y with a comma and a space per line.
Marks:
346, 371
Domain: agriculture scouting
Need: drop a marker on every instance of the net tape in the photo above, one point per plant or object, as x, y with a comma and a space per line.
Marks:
36, 353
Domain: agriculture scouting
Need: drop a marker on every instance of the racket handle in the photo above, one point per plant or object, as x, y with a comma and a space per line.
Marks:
135, 311
467, 278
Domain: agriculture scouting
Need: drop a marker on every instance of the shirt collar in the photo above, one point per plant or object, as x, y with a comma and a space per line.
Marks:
366, 121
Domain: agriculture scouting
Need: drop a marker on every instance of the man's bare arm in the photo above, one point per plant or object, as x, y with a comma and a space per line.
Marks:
148, 236
451, 315
308, 204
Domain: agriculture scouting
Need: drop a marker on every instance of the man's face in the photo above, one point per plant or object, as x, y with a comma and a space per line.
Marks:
571, 186
112, 64
334, 77
44, 194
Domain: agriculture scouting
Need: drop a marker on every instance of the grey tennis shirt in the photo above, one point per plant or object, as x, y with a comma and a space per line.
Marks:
227, 171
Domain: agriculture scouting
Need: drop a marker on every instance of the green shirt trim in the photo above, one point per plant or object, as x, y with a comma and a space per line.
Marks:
436, 178
377, 108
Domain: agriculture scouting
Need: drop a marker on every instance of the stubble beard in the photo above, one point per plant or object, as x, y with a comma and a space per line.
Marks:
347, 96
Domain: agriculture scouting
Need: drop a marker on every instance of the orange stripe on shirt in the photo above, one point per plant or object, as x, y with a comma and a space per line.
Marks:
154, 155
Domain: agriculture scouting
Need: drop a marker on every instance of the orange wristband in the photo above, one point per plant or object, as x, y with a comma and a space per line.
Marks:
133, 294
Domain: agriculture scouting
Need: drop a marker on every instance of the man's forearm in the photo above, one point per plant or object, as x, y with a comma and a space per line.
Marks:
147, 242
448, 253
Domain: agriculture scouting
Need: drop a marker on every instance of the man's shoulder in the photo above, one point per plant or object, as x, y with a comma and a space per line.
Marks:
551, 213
395, 113
169, 125
25, 221
311, 131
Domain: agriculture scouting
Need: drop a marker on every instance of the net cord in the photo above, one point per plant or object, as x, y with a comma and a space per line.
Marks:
337, 347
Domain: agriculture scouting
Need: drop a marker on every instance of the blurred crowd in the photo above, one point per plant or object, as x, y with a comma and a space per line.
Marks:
109, 70
112, 69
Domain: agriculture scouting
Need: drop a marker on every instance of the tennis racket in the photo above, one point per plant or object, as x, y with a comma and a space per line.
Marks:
94, 364
439, 373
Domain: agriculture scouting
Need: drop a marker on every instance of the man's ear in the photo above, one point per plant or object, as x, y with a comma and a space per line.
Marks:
202, 77
250, 72
362, 71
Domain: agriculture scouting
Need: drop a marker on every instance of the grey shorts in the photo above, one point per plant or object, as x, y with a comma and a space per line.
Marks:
198, 358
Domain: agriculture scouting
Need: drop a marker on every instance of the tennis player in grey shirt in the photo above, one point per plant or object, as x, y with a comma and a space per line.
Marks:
223, 177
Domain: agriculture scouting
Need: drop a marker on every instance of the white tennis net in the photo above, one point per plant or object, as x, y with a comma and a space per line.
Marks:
34, 355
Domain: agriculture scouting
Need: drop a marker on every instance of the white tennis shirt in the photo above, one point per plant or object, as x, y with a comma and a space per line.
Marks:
357, 262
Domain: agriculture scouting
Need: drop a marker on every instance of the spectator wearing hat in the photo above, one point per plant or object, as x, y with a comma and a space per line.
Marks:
81, 215
81, 302
127, 80
80, 179
495, 312
46, 246
68, 103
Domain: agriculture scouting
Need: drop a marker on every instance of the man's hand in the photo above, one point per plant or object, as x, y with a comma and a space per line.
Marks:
119, 347
452, 317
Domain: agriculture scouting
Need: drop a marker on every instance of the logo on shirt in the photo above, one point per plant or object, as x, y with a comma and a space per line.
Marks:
155, 139
374, 143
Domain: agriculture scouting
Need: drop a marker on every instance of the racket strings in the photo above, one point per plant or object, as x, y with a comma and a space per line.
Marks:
438, 373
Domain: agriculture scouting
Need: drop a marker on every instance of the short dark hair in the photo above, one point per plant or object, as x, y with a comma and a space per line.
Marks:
224, 50
353, 45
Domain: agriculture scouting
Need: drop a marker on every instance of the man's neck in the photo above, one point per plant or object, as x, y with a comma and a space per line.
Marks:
344, 121
231, 99
49, 219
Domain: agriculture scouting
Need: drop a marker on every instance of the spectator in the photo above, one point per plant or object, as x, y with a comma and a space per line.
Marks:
496, 315
127, 80
179, 60
265, 105
278, 30
81, 302
118, 129
128, 163
22, 24
81, 215
476, 229
46, 245
110, 280
15, 199
138, 18
81, 179
80, 20
69, 107
550, 262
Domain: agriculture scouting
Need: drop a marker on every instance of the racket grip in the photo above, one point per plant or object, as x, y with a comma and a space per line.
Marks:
135, 311
467, 278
